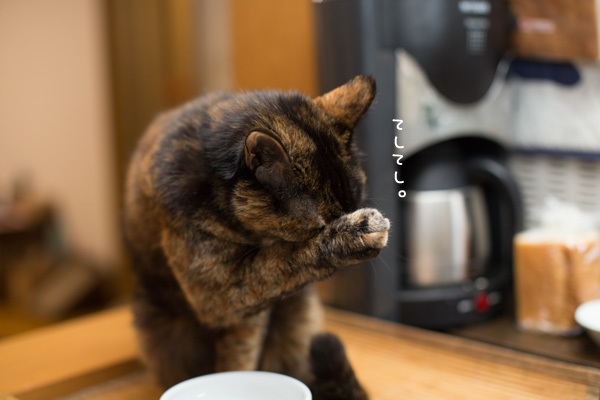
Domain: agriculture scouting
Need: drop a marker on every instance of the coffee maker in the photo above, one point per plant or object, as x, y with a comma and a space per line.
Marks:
435, 154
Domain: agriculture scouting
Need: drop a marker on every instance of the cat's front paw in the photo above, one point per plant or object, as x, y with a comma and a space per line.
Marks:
358, 236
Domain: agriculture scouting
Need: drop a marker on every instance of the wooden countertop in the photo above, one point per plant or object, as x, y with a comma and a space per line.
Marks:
95, 358
502, 331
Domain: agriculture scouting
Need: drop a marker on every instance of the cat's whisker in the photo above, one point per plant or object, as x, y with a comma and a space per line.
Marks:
402, 257
248, 252
388, 288
379, 198
372, 267
385, 264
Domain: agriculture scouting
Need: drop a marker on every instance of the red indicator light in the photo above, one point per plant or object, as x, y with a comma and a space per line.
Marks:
482, 303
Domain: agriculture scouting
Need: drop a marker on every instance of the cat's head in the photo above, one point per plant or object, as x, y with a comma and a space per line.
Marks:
300, 167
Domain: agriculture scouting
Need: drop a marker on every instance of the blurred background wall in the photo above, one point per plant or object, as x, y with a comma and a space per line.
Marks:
55, 115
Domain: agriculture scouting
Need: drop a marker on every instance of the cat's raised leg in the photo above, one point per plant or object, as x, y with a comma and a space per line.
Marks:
224, 286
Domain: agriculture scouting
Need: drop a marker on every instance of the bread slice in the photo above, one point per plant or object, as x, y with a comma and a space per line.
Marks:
554, 273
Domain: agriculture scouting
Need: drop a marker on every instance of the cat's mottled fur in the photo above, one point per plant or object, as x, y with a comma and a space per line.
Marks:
235, 204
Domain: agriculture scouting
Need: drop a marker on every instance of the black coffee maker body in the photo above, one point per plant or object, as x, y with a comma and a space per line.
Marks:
441, 174
461, 210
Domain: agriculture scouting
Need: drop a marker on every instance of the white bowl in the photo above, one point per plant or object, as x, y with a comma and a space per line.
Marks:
588, 316
239, 385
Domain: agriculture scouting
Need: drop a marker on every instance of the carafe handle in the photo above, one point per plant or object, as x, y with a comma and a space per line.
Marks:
493, 175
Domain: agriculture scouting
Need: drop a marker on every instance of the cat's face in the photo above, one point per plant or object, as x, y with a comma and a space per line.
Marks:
302, 164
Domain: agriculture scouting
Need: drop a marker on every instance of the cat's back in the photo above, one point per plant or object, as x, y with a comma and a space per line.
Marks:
162, 136
171, 140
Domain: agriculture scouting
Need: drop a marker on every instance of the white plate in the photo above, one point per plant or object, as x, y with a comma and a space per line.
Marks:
588, 316
239, 385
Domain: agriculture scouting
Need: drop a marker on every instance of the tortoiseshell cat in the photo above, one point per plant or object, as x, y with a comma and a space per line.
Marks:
235, 205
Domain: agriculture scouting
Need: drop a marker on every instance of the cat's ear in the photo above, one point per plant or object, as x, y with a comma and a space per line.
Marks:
267, 158
349, 102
